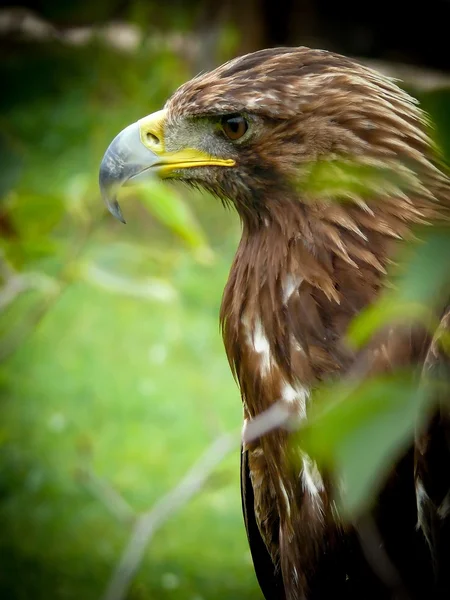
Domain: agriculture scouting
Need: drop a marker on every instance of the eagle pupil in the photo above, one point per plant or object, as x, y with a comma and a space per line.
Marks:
234, 126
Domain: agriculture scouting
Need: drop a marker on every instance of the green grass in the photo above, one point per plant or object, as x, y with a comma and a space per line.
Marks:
136, 390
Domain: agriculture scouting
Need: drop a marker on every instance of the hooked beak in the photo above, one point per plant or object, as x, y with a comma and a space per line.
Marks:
140, 149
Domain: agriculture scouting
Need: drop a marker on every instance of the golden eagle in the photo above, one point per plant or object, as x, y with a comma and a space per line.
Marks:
253, 132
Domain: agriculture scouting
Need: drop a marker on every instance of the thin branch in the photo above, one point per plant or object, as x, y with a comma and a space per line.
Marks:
148, 288
149, 522
278, 415
107, 495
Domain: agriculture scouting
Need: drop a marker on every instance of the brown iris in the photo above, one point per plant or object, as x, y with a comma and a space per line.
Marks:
234, 126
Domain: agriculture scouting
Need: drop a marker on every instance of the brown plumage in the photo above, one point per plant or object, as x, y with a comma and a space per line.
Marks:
336, 168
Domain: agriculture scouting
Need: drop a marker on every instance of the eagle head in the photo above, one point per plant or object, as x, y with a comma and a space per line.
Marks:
250, 130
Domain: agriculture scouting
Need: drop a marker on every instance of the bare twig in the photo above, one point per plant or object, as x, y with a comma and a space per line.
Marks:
149, 522
418, 77
278, 415
17, 283
148, 288
146, 524
116, 504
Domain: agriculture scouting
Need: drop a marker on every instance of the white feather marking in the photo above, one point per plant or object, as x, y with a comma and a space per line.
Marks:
290, 285
312, 481
421, 494
335, 512
261, 346
296, 346
254, 102
421, 499
244, 429
444, 508
295, 395
286, 497
289, 393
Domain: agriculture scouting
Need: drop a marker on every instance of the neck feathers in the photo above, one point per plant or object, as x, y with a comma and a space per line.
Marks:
303, 269
295, 284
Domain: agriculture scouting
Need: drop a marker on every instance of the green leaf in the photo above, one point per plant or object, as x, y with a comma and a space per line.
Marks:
170, 209
35, 215
23, 251
422, 281
346, 179
386, 310
428, 269
358, 433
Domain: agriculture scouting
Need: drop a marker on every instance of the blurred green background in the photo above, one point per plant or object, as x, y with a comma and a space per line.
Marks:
113, 376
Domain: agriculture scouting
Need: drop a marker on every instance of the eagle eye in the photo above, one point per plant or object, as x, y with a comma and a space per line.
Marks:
233, 126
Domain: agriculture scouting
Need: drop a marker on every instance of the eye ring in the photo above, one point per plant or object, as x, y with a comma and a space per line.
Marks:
234, 126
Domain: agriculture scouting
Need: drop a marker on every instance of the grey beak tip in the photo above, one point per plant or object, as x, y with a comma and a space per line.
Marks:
115, 210
125, 157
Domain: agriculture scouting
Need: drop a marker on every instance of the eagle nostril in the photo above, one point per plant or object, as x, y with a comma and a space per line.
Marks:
152, 139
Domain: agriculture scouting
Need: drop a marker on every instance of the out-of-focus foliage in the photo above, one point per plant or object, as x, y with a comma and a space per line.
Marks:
421, 282
114, 360
436, 103
172, 211
347, 180
61, 110
358, 427
359, 430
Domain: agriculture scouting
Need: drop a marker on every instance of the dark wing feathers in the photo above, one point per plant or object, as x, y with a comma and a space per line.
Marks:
269, 578
432, 468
